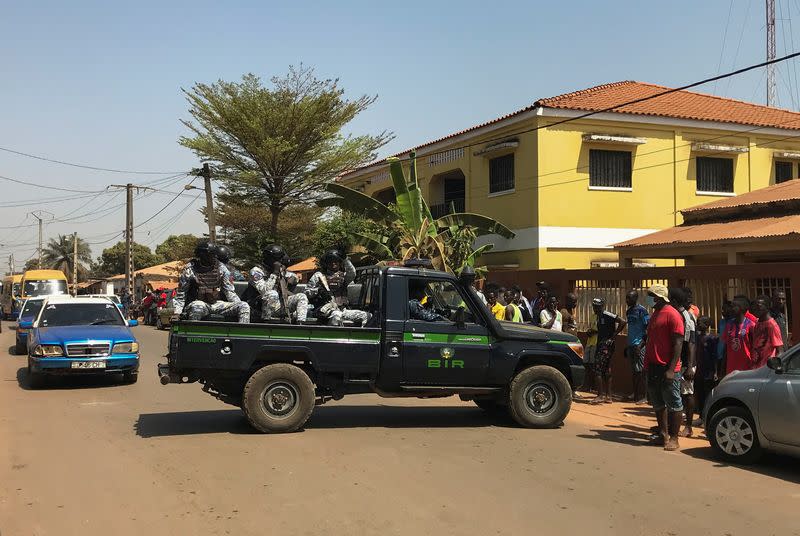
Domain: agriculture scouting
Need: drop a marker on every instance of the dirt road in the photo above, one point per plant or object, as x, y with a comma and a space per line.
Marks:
94, 457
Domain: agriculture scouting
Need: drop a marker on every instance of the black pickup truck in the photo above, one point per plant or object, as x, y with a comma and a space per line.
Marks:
277, 372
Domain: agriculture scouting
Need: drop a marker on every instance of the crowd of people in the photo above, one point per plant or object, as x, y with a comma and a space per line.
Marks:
675, 354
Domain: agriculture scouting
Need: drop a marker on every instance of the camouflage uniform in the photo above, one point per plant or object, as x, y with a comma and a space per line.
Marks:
296, 303
202, 286
335, 285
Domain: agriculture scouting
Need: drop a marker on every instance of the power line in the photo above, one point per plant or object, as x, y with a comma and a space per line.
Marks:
27, 183
724, 38
85, 166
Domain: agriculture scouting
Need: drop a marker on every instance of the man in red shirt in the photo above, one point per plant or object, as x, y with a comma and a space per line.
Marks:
663, 364
766, 336
737, 337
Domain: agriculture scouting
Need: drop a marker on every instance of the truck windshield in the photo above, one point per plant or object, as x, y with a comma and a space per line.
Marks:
45, 287
31, 308
81, 314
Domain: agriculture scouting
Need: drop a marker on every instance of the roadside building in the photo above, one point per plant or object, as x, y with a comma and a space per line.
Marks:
304, 269
755, 227
164, 275
570, 190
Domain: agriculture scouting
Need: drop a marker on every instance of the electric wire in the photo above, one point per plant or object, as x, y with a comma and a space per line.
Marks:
724, 38
85, 166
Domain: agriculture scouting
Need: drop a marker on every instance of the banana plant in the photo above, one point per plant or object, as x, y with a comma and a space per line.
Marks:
410, 229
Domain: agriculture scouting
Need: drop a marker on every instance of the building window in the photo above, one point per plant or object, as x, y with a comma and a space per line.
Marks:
784, 171
501, 174
714, 174
609, 169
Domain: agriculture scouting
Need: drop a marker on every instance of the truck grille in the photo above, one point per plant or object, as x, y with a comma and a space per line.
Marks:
88, 350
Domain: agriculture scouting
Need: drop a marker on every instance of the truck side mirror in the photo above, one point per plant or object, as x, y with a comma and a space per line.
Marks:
775, 364
460, 317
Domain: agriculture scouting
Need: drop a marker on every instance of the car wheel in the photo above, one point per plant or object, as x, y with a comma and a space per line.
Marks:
159, 324
278, 398
130, 377
20, 348
35, 379
539, 397
733, 435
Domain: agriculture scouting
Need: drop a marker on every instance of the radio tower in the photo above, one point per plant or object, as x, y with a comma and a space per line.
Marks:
771, 89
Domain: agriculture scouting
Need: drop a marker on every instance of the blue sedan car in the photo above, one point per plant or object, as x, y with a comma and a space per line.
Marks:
30, 310
81, 336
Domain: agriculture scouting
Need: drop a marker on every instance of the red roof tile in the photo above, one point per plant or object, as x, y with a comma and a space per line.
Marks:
678, 105
779, 226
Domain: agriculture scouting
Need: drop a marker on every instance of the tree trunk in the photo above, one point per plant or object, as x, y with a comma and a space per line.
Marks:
275, 211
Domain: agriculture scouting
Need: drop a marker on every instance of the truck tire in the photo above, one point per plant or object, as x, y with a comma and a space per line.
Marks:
539, 397
278, 398
733, 435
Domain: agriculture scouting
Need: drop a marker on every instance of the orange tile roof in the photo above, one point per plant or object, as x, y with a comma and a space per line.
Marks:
305, 265
777, 193
772, 227
167, 269
678, 105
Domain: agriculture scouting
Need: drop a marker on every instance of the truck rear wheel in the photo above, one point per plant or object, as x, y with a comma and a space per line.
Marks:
278, 398
539, 397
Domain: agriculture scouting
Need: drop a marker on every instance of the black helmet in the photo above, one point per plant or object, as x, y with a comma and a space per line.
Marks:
271, 254
203, 247
224, 254
330, 256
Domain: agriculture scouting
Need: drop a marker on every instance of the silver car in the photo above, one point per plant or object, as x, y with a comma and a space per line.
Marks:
755, 410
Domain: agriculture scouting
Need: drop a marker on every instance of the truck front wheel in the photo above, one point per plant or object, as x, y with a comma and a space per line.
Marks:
539, 397
278, 398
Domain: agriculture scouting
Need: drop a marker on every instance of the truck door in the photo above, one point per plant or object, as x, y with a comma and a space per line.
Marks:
441, 352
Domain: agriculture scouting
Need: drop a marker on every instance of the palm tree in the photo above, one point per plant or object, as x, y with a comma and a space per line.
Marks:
58, 255
409, 229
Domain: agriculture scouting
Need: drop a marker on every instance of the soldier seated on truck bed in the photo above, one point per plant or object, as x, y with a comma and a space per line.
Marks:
203, 282
271, 285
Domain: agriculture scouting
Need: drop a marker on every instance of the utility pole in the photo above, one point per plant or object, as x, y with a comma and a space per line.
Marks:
75, 264
11, 264
38, 216
129, 231
771, 84
211, 217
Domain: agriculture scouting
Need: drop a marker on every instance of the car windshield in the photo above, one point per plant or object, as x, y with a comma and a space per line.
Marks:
45, 287
31, 308
80, 314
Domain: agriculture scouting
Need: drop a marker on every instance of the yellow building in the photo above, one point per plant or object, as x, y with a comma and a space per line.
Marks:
571, 185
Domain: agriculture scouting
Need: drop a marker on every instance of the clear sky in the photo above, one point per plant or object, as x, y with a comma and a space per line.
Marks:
100, 82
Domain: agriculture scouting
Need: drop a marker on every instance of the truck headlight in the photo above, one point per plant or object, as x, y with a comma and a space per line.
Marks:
48, 350
577, 348
126, 348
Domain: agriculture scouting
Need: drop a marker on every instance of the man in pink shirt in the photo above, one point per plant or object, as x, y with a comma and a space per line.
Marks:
738, 338
766, 334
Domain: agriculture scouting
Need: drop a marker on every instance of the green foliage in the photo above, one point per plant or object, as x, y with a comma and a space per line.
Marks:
58, 255
246, 228
338, 230
277, 146
112, 260
408, 230
177, 247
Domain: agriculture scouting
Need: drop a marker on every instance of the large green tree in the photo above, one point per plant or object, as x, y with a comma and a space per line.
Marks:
177, 247
112, 260
277, 146
246, 228
58, 254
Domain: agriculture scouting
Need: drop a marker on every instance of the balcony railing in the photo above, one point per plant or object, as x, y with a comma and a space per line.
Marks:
443, 209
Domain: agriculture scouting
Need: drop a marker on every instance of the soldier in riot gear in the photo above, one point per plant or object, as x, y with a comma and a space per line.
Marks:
272, 288
224, 254
327, 289
202, 285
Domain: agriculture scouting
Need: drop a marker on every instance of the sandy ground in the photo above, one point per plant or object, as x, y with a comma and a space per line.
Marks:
93, 457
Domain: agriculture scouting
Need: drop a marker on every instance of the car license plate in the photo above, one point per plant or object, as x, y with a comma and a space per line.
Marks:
88, 364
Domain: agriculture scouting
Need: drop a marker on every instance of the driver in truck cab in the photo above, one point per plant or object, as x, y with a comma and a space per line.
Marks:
417, 311
203, 282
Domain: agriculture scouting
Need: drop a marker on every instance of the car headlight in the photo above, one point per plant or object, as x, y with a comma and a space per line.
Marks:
48, 350
126, 348
577, 348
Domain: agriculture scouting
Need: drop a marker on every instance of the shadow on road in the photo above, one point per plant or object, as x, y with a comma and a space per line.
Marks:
774, 465
70, 382
331, 417
626, 434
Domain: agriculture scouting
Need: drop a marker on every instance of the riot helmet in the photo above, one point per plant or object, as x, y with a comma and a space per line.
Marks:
224, 253
205, 252
332, 260
271, 254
